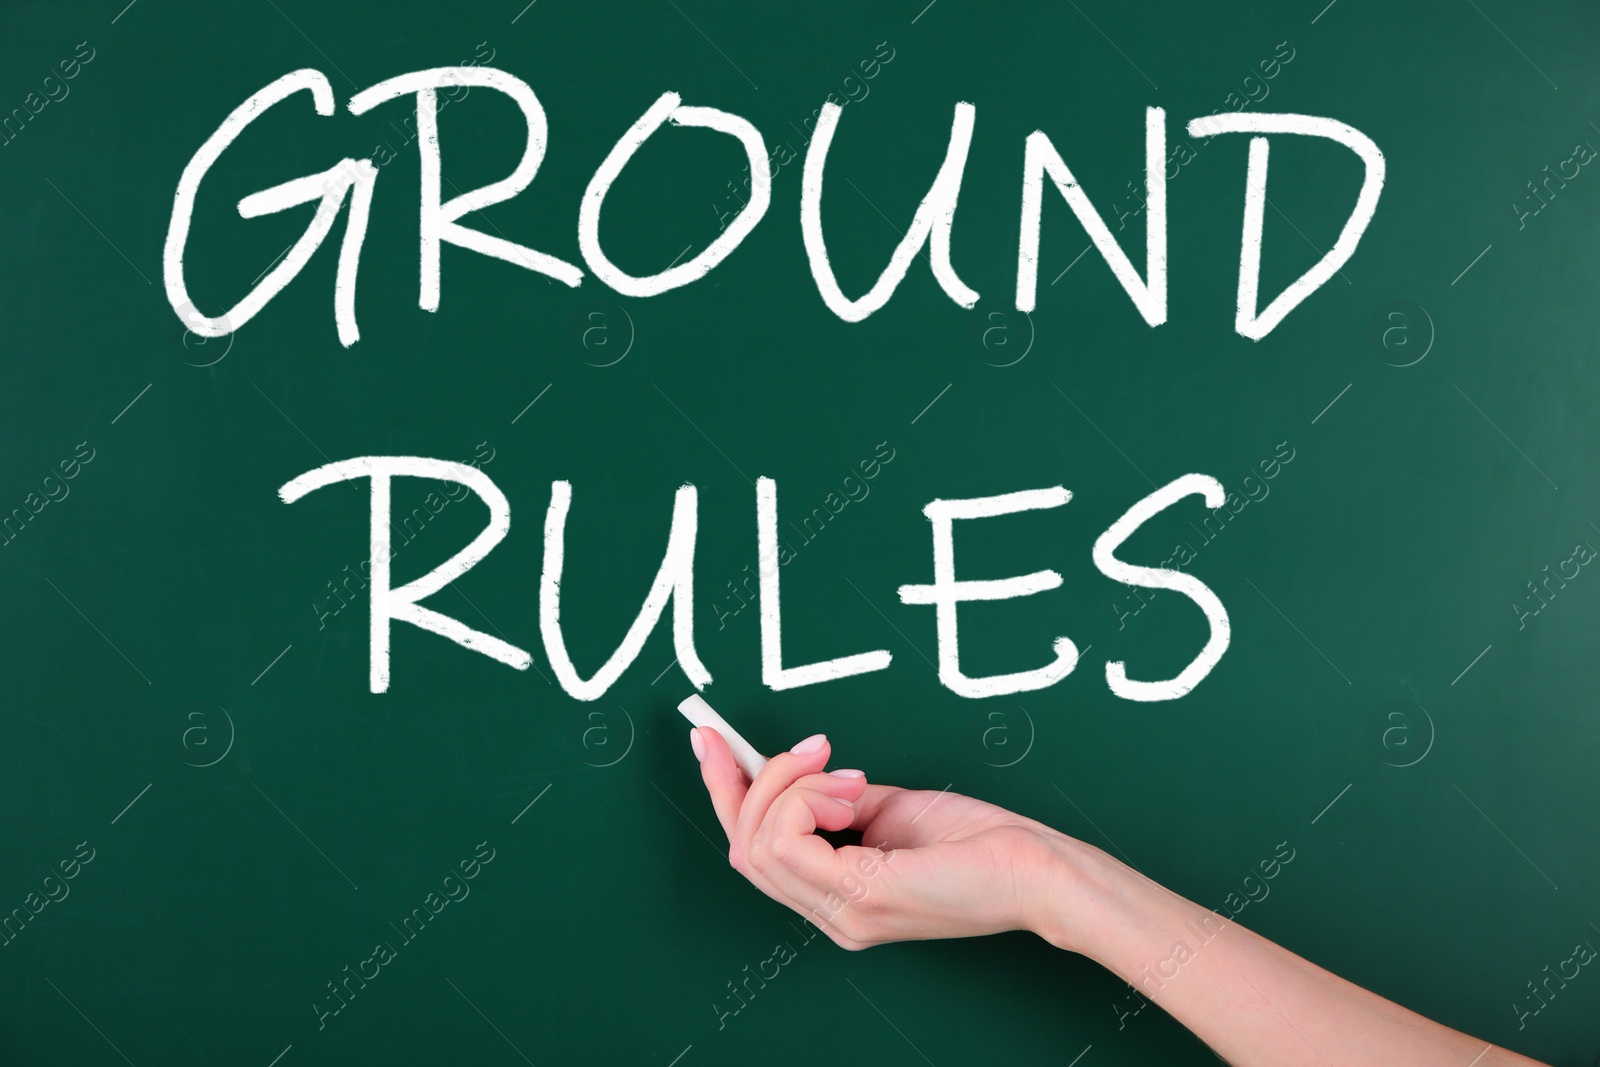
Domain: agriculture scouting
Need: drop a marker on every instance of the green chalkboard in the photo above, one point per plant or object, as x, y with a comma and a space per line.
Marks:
213, 818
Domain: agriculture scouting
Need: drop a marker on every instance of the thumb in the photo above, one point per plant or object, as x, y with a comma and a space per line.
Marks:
722, 776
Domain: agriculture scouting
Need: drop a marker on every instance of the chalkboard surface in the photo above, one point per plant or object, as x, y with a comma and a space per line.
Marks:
214, 818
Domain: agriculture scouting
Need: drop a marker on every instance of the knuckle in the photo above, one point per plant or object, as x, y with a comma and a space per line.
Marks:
778, 849
849, 924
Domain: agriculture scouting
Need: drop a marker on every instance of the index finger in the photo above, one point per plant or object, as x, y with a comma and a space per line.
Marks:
781, 771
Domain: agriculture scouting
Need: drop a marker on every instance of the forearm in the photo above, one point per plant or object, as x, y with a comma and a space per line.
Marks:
1254, 1002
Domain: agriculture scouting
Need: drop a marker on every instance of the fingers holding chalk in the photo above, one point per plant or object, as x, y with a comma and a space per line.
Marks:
698, 712
781, 772
772, 818
729, 790
722, 754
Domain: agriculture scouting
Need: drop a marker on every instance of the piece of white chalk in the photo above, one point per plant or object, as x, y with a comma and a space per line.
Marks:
697, 711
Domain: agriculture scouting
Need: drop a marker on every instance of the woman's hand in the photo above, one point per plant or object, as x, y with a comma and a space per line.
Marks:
932, 864
938, 864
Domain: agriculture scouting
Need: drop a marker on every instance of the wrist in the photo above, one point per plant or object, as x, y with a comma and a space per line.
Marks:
1089, 901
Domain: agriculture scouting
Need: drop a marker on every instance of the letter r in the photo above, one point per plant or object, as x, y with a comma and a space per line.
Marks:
402, 603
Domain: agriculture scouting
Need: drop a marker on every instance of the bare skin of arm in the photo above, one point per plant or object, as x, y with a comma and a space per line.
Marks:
937, 865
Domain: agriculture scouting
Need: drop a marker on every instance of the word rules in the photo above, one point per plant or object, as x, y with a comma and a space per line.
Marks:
674, 581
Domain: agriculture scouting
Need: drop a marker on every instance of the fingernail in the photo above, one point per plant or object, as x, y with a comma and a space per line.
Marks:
846, 803
848, 774
811, 744
698, 745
